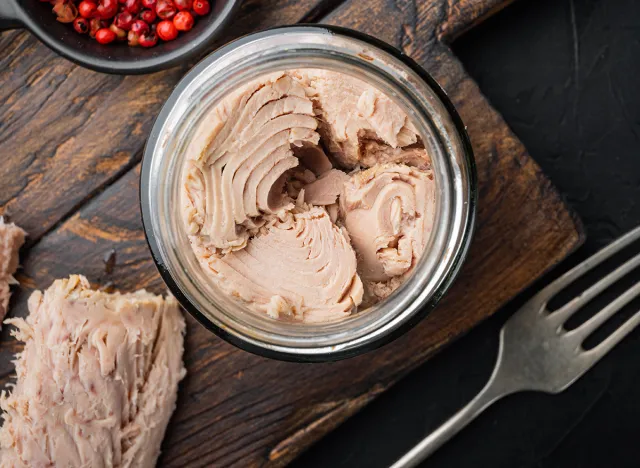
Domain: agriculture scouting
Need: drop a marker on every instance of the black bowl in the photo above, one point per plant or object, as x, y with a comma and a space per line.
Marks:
37, 16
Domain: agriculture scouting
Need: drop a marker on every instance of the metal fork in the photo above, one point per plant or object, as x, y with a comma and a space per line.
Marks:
537, 352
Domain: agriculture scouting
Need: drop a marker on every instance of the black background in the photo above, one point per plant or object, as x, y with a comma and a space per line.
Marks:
566, 77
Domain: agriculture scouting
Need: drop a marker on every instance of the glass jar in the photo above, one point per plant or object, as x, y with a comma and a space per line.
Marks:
345, 51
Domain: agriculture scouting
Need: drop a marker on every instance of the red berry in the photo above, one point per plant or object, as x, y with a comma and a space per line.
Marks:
87, 8
66, 11
148, 40
183, 5
165, 9
149, 4
107, 9
81, 25
124, 20
134, 38
105, 36
132, 6
94, 25
148, 15
121, 34
139, 27
201, 7
183, 21
167, 31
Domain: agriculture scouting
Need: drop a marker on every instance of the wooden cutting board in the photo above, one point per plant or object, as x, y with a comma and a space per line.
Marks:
71, 143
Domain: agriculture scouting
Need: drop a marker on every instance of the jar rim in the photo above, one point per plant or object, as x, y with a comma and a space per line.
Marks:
156, 147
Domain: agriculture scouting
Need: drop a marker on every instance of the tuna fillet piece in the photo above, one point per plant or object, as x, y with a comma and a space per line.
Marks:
326, 189
277, 226
388, 211
300, 267
359, 124
97, 380
11, 239
239, 159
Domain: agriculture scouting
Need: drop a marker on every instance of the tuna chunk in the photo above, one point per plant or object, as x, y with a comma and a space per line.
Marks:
388, 211
373, 151
11, 239
300, 267
352, 113
97, 380
264, 187
314, 159
235, 174
326, 189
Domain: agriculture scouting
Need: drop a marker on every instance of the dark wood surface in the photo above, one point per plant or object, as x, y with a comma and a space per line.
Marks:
71, 143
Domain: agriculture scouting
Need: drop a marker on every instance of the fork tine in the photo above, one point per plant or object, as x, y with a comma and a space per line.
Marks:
616, 337
590, 263
577, 303
594, 322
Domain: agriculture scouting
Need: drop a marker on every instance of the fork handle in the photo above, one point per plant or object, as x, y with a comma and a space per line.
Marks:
492, 392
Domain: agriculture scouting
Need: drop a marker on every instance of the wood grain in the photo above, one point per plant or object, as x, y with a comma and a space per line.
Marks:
237, 409
462, 15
